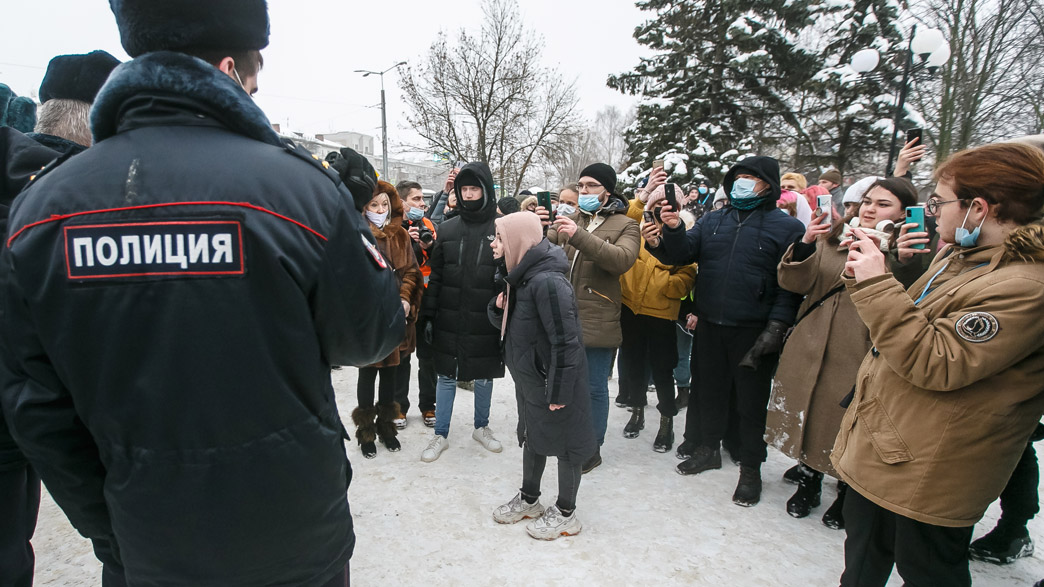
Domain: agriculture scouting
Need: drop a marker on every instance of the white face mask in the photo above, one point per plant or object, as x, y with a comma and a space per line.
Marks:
378, 220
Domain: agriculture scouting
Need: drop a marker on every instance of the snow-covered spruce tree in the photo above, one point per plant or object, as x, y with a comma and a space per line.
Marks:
720, 80
846, 117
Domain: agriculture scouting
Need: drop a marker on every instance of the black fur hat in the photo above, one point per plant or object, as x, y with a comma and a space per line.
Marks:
177, 25
77, 77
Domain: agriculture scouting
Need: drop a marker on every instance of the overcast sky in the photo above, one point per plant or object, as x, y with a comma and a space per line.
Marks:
308, 78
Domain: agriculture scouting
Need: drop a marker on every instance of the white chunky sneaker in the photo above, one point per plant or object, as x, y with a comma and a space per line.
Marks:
484, 436
517, 510
553, 524
435, 448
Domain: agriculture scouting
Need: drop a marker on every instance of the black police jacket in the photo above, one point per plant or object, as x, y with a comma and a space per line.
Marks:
172, 301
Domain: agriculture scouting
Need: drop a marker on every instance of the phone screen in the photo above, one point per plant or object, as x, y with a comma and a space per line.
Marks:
649, 217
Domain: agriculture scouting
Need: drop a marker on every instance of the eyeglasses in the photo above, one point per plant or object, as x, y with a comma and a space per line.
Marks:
587, 186
932, 205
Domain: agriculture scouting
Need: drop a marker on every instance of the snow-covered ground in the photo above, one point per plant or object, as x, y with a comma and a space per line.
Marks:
644, 524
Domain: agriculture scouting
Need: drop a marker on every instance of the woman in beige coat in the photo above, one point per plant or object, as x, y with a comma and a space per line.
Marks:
823, 353
951, 392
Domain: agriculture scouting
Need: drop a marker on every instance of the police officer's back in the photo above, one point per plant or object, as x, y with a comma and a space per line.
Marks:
173, 299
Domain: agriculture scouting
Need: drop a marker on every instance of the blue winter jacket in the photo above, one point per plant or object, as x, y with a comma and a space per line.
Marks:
737, 253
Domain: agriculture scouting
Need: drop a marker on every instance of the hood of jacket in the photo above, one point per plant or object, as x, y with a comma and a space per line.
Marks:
518, 233
477, 172
1026, 244
762, 167
543, 256
182, 78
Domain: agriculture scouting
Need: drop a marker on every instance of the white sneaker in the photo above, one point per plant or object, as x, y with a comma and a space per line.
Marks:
517, 510
553, 524
435, 448
484, 436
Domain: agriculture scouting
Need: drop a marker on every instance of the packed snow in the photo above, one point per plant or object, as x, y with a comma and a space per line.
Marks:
431, 524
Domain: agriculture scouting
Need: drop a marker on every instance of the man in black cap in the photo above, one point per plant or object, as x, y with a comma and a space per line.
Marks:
601, 243
742, 316
173, 299
66, 94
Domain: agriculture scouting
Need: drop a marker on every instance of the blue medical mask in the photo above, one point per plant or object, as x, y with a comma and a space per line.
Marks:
702, 190
589, 202
968, 239
415, 214
743, 196
565, 210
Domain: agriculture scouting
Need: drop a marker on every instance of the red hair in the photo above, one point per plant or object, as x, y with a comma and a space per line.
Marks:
1010, 176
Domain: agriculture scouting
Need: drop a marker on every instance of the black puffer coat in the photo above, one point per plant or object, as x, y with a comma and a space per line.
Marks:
176, 398
737, 252
544, 350
461, 285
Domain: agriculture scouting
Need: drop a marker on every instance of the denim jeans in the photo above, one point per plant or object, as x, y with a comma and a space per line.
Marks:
598, 363
446, 390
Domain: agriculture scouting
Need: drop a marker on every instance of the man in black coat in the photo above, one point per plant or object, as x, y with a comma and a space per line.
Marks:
172, 300
465, 345
743, 315
22, 158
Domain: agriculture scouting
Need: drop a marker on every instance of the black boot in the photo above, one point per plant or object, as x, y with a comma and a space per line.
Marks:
683, 397
1005, 543
591, 463
834, 517
386, 429
665, 436
636, 423
686, 450
807, 496
748, 490
704, 459
365, 431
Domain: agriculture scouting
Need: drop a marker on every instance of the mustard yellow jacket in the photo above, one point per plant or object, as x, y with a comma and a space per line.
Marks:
651, 288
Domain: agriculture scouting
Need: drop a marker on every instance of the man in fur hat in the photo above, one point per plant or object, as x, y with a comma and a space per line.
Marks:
66, 94
173, 299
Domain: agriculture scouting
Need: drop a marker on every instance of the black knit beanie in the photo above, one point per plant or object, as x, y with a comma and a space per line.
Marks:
77, 77
605, 175
180, 25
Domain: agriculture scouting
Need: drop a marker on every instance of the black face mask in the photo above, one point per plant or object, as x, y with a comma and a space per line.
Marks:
472, 205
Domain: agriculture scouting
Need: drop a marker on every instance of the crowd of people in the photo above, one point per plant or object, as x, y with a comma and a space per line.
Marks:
170, 328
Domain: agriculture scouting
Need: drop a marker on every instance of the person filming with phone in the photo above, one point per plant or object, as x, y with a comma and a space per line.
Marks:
743, 314
948, 397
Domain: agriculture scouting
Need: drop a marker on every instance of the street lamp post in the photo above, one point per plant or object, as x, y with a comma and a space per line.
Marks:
384, 115
933, 50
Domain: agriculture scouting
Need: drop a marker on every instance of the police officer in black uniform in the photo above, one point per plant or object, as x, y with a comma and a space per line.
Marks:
172, 300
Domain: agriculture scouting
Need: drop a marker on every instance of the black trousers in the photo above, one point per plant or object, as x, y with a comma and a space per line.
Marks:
341, 580
1019, 501
568, 477
426, 379
722, 381
923, 554
19, 509
649, 346
367, 378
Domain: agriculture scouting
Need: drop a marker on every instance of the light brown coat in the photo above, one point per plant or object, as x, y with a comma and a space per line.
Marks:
946, 403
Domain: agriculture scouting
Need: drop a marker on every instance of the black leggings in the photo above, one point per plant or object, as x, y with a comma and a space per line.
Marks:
649, 344
367, 378
568, 478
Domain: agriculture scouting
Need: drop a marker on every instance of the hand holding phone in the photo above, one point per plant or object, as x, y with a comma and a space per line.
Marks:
649, 216
825, 204
544, 201
671, 197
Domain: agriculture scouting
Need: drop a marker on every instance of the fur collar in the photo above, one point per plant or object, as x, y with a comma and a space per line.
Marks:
182, 75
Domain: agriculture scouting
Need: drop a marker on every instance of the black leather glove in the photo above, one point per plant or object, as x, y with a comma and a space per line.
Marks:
426, 329
770, 341
357, 174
